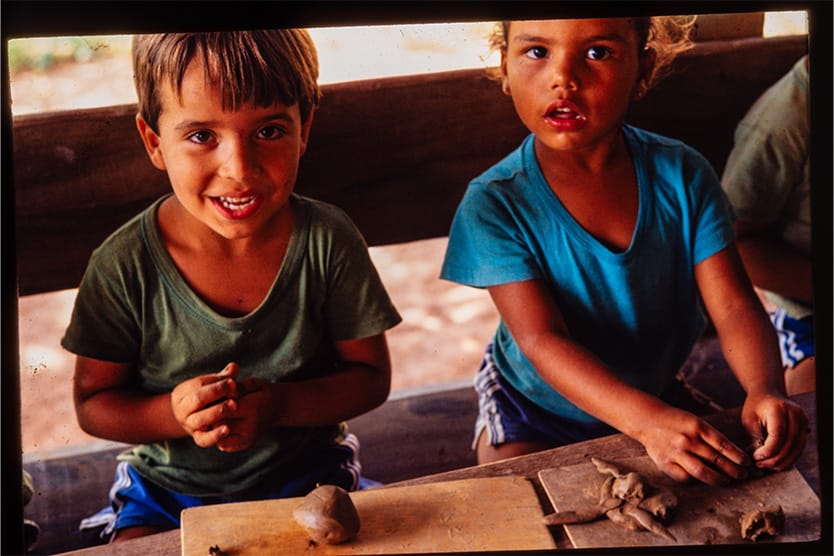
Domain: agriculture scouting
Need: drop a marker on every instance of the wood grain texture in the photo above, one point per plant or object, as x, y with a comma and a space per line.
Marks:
705, 515
493, 514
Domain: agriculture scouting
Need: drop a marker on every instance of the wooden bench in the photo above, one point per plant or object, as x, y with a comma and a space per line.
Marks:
396, 154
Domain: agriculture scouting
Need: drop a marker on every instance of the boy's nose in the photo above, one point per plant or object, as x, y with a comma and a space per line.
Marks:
238, 160
563, 73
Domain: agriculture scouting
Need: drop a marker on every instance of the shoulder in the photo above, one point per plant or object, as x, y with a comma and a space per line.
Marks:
326, 230
515, 166
666, 155
506, 183
322, 216
128, 242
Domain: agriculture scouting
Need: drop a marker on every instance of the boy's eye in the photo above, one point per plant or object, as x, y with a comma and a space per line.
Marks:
536, 52
271, 132
200, 137
599, 52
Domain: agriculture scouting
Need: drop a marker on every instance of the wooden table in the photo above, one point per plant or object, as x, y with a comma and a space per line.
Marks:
612, 447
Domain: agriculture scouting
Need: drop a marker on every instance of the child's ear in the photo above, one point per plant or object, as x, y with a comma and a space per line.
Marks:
151, 142
505, 82
305, 132
647, 60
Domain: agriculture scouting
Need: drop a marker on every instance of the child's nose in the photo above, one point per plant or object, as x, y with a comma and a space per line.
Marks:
238, 160
564, 75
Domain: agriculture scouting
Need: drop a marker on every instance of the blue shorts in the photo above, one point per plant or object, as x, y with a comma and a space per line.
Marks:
506, 415
137, 501
796, 337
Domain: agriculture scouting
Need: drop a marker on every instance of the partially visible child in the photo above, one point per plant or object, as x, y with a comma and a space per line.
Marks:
767, 180
232, 327
600, 245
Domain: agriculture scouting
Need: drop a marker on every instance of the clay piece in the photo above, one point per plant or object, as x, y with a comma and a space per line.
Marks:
328, 515
767, 522
623, 500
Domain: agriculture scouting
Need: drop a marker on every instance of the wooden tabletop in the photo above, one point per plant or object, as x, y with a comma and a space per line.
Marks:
616, 446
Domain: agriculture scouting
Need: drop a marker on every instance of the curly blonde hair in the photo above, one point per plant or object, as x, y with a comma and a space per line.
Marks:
664, 36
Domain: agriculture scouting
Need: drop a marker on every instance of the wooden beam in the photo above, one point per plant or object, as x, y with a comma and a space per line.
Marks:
395, 153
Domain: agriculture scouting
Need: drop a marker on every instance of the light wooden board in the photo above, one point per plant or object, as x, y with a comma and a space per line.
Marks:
470, 515
705, 514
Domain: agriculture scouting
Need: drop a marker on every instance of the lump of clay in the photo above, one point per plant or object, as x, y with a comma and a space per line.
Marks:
767, 522
328, 515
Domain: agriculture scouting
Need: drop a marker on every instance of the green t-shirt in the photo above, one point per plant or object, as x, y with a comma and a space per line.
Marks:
134, 307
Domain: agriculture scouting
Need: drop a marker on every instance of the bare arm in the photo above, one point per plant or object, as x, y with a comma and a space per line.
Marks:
107, 406
772, 265
678, 442
362, 383
748, 342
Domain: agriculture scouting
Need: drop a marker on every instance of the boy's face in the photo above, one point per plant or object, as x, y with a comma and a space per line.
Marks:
233, 171
572, 80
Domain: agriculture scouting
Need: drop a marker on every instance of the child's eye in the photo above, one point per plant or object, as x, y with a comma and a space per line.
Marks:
536, 52
599, 52
271, 132
200, 137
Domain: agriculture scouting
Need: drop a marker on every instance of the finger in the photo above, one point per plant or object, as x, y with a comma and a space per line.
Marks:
675, 472
211, 436
233, 443
717, 453
724, 447
795, 438
211, 417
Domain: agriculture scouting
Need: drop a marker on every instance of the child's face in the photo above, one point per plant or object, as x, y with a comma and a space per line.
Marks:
572, 80
233, 171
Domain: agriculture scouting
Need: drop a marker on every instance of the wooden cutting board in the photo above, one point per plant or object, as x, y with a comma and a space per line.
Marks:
705, 514
470, 515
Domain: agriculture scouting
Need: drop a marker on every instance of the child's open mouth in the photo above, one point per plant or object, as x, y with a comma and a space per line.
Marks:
236, 207
565, 114
235, 203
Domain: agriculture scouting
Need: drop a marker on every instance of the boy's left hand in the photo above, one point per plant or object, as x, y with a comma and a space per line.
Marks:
252, 416
779, 428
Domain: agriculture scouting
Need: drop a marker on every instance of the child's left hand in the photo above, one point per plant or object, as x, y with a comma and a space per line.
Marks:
253, 415
778, 426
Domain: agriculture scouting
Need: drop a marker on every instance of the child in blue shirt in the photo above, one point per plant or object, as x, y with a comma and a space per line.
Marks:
600, 245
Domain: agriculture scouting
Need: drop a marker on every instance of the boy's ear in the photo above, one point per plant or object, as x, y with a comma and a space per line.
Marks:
305, 132
151, 141
647, 61
505, 82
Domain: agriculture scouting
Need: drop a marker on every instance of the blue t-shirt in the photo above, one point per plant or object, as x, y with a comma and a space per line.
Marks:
638, 310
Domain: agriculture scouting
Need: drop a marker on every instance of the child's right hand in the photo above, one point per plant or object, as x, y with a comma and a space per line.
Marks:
202, 403
684, 447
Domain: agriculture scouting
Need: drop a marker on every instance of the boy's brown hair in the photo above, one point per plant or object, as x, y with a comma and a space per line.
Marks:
265, 67
663, 36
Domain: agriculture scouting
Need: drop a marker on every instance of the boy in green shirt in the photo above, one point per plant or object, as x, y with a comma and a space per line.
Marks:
230, 329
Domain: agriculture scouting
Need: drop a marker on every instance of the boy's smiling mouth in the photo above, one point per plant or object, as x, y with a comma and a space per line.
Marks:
237, 207
235, 203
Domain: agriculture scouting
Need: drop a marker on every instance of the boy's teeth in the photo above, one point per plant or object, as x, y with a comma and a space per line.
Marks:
235, 202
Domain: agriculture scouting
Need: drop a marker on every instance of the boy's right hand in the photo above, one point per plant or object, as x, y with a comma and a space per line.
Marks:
202, 403
684, 447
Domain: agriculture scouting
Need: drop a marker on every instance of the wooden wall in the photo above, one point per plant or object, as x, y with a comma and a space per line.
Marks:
396, 153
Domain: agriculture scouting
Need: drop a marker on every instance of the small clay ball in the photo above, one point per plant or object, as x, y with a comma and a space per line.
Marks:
769, 522
328, 515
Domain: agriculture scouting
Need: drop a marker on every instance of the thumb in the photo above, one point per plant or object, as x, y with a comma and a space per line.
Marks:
229, 371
